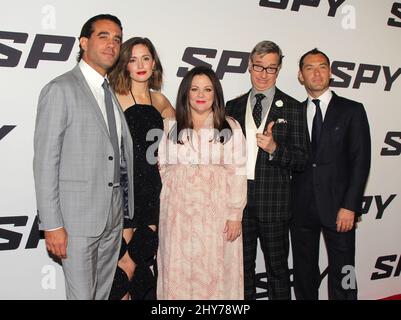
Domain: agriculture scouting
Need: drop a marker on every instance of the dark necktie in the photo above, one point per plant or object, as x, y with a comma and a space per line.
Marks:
257, 109
316, 126
111, 121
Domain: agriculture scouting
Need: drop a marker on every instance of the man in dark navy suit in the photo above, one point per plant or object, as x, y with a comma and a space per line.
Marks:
327, 196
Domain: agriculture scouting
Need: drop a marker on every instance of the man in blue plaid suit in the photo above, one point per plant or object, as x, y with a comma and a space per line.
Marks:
274, 127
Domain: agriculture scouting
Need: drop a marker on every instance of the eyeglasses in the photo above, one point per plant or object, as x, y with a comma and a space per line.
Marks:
270, 70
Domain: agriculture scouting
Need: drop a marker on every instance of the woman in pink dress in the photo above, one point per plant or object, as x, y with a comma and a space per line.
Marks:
202, 159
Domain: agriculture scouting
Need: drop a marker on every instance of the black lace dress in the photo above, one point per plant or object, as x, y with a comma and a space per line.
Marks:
146, 126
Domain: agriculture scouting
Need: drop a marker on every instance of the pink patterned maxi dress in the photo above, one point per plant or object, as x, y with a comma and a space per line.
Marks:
204, 185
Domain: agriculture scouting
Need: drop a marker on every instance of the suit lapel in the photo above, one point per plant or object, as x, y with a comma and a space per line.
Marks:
239, 110
93, 106
305, 117
124, 127
275, 112
328, 123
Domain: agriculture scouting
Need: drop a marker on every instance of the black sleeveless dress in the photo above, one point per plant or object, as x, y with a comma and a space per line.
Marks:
142, 248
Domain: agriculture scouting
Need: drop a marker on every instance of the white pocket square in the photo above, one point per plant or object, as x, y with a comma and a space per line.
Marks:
281, 120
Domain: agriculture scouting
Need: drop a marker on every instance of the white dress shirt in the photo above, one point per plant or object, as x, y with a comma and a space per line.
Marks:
95, 81
311, 108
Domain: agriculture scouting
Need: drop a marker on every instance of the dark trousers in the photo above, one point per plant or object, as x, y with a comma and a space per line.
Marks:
274, 242
340, 246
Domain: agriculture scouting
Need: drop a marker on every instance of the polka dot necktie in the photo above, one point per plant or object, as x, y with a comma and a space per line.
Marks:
257, 109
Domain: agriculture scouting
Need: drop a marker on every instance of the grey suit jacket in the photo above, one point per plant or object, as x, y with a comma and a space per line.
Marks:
72, 152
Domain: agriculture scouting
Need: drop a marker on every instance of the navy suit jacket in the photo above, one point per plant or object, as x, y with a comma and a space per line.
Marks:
337, 176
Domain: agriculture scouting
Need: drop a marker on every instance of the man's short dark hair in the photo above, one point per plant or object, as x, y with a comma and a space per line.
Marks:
313, 52
87, 28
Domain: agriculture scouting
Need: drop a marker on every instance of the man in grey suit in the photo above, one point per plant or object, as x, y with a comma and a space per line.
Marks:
80, 134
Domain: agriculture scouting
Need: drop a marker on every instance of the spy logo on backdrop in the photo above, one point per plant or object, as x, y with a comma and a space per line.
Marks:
12, 230
348, 10
395, 11
385, 265
229, 61
393, 144
298, 4
5, 130
350, 73
377, 203
44, 47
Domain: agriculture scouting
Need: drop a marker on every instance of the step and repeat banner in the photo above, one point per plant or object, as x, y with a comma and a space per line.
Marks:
38, 41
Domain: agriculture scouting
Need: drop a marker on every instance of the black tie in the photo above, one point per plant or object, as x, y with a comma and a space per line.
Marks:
257, 109
111, 121
316, 126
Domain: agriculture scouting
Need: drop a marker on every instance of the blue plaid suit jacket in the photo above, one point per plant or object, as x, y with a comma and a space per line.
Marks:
272, 177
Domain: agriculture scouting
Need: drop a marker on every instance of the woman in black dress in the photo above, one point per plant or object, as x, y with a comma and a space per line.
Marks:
137, 80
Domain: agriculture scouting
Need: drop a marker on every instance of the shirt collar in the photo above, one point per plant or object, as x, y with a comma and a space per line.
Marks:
91, 75
325, 97
269, 93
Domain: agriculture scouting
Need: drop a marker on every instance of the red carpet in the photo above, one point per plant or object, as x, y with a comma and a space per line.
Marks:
396, 297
